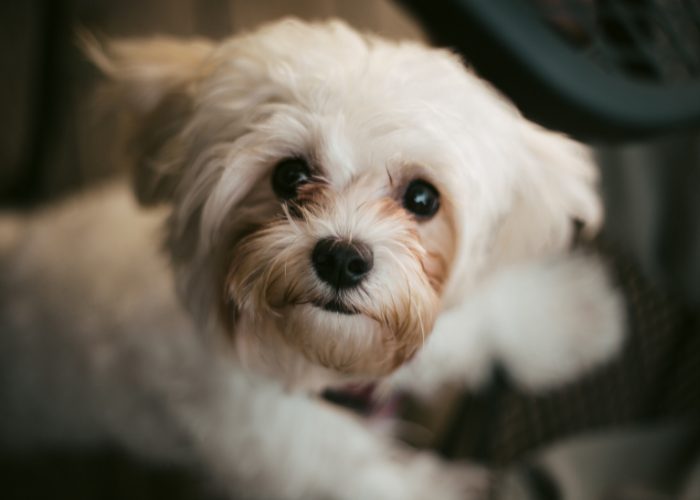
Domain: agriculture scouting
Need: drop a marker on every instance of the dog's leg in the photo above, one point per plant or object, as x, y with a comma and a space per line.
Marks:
260, 442
545, 323
249, 436
164, 396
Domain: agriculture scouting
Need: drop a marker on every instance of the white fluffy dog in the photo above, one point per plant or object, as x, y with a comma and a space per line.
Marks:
336, 209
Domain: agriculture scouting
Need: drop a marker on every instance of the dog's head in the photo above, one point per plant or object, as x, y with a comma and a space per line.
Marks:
340, 187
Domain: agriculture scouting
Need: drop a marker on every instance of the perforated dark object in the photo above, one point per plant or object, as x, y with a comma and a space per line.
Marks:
596, 69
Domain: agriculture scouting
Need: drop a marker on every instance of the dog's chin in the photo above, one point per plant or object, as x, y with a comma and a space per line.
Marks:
338, 338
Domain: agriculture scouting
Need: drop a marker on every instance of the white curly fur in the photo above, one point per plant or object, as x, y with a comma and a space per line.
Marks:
210, 353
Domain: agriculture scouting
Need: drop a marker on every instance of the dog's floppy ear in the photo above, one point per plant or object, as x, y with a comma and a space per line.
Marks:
557, 192
151, 83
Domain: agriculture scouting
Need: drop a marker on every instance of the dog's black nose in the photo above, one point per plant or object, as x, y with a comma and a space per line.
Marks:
341, 264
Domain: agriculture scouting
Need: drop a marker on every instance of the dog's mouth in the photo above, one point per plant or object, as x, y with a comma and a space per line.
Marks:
335, 306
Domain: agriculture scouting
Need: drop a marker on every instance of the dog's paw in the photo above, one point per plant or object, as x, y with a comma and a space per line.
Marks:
419, 477
556, 320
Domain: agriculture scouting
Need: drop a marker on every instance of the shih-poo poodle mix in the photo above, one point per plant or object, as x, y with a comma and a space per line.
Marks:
318, 209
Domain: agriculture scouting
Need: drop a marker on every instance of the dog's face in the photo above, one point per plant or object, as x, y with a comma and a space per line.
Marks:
341, 188
350, 262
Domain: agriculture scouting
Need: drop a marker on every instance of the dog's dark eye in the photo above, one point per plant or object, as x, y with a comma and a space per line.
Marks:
289, 174
421, 198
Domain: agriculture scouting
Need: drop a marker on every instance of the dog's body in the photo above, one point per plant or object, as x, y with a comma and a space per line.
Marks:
447, 207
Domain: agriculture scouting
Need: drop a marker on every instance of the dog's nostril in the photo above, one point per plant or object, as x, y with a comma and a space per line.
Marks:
341, 264
357, 266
